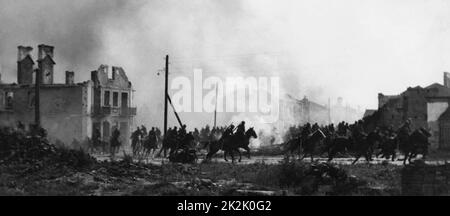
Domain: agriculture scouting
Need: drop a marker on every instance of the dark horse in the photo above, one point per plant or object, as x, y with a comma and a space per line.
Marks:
231, 144
364, 145
388, 147
340, 144
310, 143
184, 151
150, 144
293, 146
170, 144
414, 144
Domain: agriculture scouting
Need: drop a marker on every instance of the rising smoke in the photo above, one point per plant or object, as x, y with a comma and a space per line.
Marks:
318, 48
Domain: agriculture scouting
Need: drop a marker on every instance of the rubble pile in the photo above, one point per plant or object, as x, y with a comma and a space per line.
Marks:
18, 147
319, 178
187, 156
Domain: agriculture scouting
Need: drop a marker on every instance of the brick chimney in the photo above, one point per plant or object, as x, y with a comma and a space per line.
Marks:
24, 65
23, 52
447, 79
46, 63
70, 77
45, 50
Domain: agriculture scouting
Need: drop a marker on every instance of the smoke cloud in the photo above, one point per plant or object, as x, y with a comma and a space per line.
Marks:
354, 48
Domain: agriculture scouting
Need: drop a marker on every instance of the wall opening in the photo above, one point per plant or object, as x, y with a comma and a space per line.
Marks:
106, 98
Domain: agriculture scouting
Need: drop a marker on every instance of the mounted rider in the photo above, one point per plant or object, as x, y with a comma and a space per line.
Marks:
406, 127
315, 127
228, 131
331, 128
358, 130
342, 129
240, 130
135, 137
182, 132
307, 130
404, 131
152, 134
390, 132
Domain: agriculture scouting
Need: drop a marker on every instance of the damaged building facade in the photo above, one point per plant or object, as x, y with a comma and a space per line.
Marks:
426, 107
69, 111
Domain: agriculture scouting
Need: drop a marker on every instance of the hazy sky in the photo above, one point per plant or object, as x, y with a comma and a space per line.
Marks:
321, 48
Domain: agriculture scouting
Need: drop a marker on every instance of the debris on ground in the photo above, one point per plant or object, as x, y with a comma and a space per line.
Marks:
186, 156
31, 165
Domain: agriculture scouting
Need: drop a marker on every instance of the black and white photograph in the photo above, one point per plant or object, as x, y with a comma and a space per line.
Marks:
224, 98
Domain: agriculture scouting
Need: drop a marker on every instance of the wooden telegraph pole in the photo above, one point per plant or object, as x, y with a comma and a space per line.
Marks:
166, 94
215, 110
37, 113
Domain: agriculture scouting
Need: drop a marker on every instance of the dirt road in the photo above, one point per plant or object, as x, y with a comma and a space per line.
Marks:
277, 159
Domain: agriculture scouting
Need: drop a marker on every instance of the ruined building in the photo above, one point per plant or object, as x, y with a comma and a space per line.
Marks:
68, 110
426, 107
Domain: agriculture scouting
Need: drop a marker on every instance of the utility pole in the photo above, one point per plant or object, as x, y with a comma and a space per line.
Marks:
37, 85
166, 94
215, 111
329, 110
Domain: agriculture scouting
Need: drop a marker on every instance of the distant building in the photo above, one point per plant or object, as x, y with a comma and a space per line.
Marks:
68, 110
298, 112
340, 112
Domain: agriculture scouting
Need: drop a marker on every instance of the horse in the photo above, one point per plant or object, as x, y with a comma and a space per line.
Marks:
293, 146
235, 142
388, 147
340, 144
230, 144
136, 145
168, 143
213, 147
184, 151
364, 145
310, 143
150, 144
414, 144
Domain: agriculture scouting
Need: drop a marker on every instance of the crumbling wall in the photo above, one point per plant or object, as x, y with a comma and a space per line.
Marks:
426, 180
64, 110
435, 110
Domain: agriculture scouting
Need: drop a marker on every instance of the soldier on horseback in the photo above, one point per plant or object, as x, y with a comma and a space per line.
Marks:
228, 131
342, 130
240, 130
182, 132
403, 133
143, 132
307, 130
135, 139
358, 130
315, 127
390, 132
331, 129
406, 127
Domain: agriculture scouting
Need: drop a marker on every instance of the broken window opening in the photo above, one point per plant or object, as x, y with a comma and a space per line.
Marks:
31, 99
115, 99
124, 100
9, 100
106, 98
